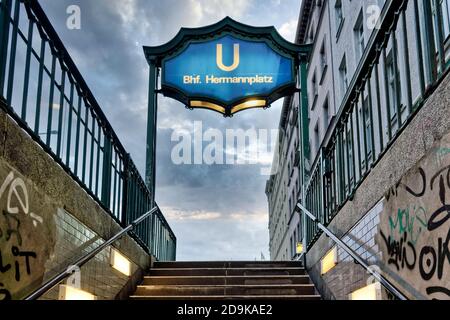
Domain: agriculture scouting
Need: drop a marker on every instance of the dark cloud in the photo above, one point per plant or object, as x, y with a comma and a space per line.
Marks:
219, 211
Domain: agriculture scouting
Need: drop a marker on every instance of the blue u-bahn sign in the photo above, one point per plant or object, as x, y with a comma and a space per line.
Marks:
227, 67
228, 70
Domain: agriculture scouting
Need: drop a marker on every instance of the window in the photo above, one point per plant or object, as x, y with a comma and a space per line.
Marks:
326, 115
349, 143
394, 89
315, 87
317, 138
343, 77
293, 161
359, 38
323, 57
339, 15
366, 132
323, 60
445, 8
290, 205
368, 127
311, 33
315, 90
292, 245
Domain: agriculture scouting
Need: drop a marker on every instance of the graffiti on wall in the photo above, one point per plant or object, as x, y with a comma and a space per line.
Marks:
21, 237
414, 233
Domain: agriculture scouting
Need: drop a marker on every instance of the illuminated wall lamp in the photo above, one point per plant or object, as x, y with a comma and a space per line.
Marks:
299, 248
71, 293
370, 292
120, 262
329, 261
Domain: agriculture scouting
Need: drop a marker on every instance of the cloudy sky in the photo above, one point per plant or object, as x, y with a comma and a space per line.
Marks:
218, 212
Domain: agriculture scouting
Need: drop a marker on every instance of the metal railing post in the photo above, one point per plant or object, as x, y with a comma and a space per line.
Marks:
13, 52
305, 228
125, 178
174, 249
429, 41
303, 133
151, 131
107, 170
5, 14
440, 35
304, 123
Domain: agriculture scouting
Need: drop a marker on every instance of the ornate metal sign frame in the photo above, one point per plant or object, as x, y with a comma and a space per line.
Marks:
158, 55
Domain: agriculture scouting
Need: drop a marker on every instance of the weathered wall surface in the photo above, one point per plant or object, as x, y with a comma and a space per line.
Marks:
47, 220
414, 232
423, 144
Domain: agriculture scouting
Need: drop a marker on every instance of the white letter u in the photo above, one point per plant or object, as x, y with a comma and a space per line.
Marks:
236, 58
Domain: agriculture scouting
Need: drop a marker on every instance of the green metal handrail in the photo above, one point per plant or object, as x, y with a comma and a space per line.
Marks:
44, 92
367, 125
357, 258
70, 269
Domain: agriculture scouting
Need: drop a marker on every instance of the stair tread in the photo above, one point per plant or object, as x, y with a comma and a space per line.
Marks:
223, 261
228, 286
216, 280
230, 263
244, 268
231, 297
232, 276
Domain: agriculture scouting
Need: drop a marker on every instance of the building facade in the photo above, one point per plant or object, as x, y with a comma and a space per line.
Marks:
376, 78
284, 187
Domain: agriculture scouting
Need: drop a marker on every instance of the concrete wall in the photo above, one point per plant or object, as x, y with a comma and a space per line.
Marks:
414, 232
398, 181
47, 220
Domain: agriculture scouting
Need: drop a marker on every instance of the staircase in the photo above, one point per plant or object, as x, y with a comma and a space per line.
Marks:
226, 280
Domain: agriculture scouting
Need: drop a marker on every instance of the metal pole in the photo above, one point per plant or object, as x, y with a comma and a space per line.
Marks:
13, 51
440, 35
5, 13
303, 132
151, 131
107, 172
429, 40
304, 124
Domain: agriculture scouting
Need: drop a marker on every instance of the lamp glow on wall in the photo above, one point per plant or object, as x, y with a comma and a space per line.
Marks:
370, 292
329, 261
71, 293
120, 262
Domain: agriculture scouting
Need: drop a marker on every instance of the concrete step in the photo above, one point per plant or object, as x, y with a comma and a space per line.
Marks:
226, 264
226, 272
221, 280
224, 298
225, 290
